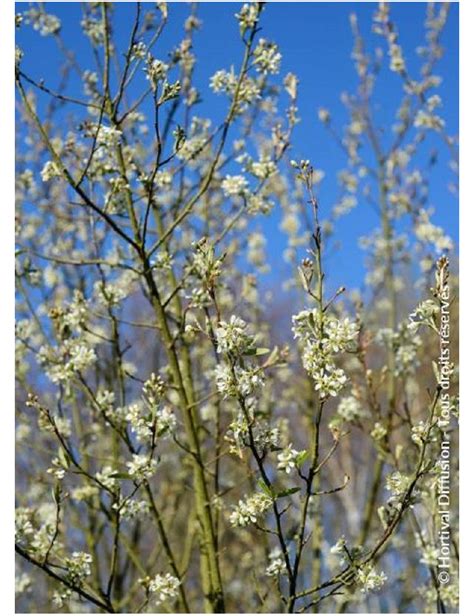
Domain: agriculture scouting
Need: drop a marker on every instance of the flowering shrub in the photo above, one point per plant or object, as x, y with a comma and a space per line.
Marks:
178, 449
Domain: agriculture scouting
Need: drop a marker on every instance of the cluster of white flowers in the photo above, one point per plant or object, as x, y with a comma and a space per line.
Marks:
368, 578
84, 492
397, 63
277, 565
108, 294
61, 597
247, 16
406, 345
205, 265
265, 436
42, 22
165, 587
163, 260
115, 202
90, 80
57, 469
76, 312
324, 337
425, 119
81, 356
72, 357
141, 421
429, 233
192, 147
23, 583
50, 171
78, 567
165, 421
420, 433
238, 382
155, 70
289, 458
397, 483
142, 467
423, 314
153, 389
256, 204
249, 89
429, 554
232, 336
94, 29
107, 477
378, 432
132, 509
262, 168
105, 399
248, 511
267, 58
52, 423
23, 525
351, 409
139, 51
107, 136
234, 185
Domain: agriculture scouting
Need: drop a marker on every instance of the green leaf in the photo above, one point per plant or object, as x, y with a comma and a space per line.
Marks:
121, 475
287, 492
301, 457
268, 491
257, 351
63, 458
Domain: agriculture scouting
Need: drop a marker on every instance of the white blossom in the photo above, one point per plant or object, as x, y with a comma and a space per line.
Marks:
288, 459
249, 510
142, 467
368, 578
234, 185
165, 587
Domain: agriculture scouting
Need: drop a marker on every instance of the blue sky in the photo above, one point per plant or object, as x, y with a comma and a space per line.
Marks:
316, 42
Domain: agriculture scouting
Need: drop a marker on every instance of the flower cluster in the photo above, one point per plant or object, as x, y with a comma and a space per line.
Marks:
267, 58
246, 91
78, 567
155, 70
350, 409
368, 578
423, 314
205, 265
248, 511
277, 565
289, 459
323, 338
397, 483
234, 185
132, 509
238, 381
428, 233
107, 477
141, 422
142, 467
44, 23
248, 16
50, 171
232, 337
165, 587
265, 436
